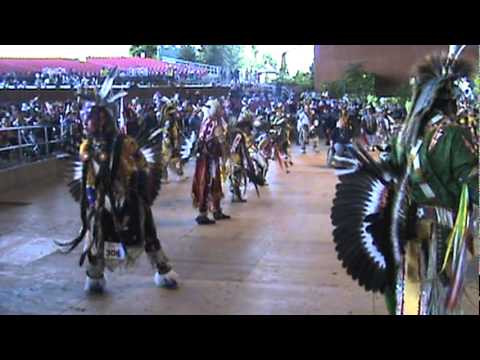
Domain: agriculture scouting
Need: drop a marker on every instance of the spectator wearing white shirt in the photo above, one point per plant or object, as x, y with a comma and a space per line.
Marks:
303, 125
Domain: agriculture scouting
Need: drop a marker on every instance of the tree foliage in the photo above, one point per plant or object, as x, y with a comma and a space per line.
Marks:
355, 81
404, 93
358, 82
302, 80
188, 53
259, 60
336, 89
477, 84
221, 55
150, 51
267, 59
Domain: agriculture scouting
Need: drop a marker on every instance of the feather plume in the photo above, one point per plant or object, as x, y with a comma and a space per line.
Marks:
117, 96
108, 83
433, 67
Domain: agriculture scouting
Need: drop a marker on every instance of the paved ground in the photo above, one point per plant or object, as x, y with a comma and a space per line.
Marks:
275, 256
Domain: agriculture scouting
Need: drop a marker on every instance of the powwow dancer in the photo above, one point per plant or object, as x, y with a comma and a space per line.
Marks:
172, 140
207, 181
116, 181
406, 226
280, 134
242, 168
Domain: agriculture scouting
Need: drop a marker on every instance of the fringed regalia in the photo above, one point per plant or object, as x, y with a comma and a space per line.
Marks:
172, 139
242, 166
207, 181
280, 135
116, 180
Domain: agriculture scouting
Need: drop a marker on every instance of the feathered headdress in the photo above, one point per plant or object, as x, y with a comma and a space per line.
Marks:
211, 108
103, 97
169, 105
434, 82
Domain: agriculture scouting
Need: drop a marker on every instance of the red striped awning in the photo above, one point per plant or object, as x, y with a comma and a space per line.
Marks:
37, 65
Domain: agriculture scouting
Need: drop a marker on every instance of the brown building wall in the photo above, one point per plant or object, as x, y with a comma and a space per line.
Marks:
391, 63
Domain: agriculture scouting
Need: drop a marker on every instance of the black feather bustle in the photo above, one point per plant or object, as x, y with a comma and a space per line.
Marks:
363, 183
345, 234
349, 255
361, 179
358, 265
351, 202
349, 210
366, 275
347, 221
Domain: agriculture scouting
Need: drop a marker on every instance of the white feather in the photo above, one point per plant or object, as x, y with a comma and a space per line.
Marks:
108, 204
96, 167
352, 162
148, 154
77, 171
106, 87
117, 96
155, 134
454, 51
341, 172
371, 207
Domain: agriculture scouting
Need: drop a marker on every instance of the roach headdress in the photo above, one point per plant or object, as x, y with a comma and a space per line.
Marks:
435, 89
103, 99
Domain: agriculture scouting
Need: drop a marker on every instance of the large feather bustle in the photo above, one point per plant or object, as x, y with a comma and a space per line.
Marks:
365, 253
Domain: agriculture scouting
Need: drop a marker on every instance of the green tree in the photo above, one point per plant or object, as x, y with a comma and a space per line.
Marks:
150, 51
302, 80
322, 87
188, 53
404, 93
221, 55
476, 89
477, 84
336, 89
234, 55
358, 82
267, 59
258, 61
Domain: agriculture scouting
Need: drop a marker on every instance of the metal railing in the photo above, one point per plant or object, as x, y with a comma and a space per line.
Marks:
31, 143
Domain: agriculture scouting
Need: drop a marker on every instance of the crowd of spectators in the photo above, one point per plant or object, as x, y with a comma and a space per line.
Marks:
162, 75
65, 122
260, 100
53, 116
